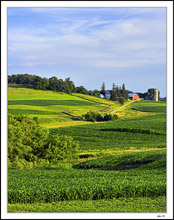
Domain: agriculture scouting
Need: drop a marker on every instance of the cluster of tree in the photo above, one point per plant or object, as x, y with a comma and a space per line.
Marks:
53, 83
27, 140
94, 116
118, 93
38, 82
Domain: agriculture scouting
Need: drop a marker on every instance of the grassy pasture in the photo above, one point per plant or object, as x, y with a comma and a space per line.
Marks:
50, 107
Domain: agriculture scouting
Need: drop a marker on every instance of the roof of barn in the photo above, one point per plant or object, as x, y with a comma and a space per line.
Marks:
132, 94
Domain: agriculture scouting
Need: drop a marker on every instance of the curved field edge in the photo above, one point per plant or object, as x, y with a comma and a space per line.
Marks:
59, 184
153, 159
145, 204
54, 108
142, 132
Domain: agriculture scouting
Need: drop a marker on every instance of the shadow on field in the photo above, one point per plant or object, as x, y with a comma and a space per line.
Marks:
132, 130
50, 102
123, 167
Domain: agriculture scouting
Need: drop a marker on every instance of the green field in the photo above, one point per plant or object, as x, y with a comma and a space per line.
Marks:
121, 165
149, 131
52, 108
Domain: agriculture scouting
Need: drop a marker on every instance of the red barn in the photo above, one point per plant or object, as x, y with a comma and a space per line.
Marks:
133, 96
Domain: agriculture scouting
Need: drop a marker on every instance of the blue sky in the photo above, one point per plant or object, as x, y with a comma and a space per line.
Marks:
90, 45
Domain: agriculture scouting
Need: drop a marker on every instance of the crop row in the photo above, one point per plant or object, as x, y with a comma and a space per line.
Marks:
107, 134
41, 185
150, 108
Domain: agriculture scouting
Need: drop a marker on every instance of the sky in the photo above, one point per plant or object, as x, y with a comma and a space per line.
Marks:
90, 45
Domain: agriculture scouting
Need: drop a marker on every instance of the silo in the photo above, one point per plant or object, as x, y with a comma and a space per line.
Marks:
156, 95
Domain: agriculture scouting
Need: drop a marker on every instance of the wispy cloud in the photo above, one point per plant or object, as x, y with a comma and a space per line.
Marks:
108, 43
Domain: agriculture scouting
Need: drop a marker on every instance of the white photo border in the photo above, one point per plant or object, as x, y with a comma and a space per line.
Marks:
4, 70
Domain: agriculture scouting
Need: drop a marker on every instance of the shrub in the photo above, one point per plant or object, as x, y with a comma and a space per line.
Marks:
61, 147
115, 117
28, 142
121, 100
26, 138
93, 116
109, 117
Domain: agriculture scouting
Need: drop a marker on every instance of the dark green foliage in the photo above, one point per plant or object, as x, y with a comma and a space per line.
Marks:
37, 82
25, 138
124, 92
45, 83
81, 89
91, 116
118, 93
61, 147
28, 141
109, 117
150, 93
103, 91
53, 83
69, 86
113, 93
96, 92
121, 100
94, 116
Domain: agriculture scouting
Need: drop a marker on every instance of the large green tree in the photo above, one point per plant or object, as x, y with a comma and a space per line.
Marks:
113, 93
70, 86
37, 84
26, 139
103, 91
53, 83
45, 83
124, 92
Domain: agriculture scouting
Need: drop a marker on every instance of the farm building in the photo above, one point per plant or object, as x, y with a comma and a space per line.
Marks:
107, 95
133, 96
101, 96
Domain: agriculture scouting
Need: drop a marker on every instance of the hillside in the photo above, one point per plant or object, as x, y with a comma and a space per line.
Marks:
55, 109
121, 164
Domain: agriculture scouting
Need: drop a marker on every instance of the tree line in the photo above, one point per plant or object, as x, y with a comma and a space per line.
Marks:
53, 83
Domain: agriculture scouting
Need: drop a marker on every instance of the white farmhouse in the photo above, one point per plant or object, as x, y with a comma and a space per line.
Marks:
101, 96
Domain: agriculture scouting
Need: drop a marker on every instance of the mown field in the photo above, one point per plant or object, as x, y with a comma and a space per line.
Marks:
53, 109
121, 165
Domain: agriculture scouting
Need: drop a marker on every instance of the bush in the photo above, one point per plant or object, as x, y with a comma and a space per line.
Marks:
26, 138
61, 147
28, 142
121, 100
109, 117
93, 116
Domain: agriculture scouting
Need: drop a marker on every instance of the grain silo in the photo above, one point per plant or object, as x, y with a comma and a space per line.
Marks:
156, 95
